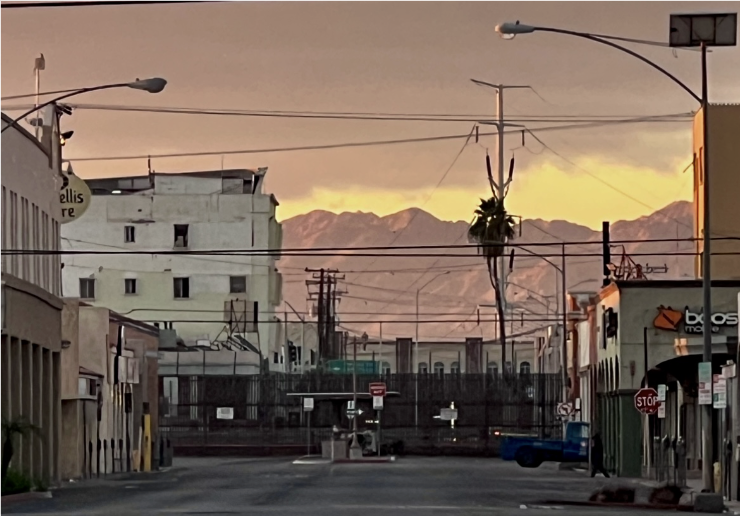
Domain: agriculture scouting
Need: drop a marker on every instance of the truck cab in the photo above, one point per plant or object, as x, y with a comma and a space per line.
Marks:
531, 452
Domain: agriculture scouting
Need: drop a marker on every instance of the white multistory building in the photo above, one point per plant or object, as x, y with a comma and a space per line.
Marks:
211, 300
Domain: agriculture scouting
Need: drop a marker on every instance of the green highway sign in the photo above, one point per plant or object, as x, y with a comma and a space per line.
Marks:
347, 367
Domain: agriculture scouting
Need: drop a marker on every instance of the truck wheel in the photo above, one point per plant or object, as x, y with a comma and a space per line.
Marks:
528, 458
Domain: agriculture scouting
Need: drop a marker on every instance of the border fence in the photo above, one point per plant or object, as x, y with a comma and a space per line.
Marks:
265, 419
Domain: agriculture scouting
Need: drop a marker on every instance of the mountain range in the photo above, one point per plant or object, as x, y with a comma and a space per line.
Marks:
384, 289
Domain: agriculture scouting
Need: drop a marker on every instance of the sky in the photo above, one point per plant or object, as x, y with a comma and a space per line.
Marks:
415, 57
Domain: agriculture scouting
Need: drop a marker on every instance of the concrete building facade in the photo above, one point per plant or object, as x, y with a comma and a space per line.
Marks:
206, 298
652, 330
31, 306
101, 431
723, 123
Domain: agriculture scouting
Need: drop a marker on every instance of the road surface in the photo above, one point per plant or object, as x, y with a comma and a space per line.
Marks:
276, 486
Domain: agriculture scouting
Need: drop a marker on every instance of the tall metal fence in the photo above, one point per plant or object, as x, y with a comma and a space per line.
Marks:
267, 418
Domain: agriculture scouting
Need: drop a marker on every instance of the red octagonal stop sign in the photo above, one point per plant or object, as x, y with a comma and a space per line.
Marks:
646, 401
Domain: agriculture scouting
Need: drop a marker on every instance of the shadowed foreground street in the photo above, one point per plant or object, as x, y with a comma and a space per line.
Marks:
262, 486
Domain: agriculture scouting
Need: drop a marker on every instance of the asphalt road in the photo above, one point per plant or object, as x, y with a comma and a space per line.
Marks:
276, 486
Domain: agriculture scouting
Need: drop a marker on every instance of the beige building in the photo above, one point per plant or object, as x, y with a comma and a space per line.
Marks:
654, 328
724, 182
100, 432
31, 284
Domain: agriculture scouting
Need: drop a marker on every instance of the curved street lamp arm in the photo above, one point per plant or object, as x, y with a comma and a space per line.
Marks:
556, 267
624, 50
60, 98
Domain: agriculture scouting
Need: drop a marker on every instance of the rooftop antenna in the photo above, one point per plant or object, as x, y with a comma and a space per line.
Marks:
38, 66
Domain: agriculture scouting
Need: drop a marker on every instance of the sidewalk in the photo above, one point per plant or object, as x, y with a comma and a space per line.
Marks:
694, 485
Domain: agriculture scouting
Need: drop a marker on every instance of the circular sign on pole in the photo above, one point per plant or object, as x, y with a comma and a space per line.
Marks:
646, 401
74, 196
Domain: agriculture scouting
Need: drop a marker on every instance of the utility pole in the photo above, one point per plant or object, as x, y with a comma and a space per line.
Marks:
326, 279
501, 185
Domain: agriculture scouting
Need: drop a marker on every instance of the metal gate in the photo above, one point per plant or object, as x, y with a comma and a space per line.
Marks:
265, 419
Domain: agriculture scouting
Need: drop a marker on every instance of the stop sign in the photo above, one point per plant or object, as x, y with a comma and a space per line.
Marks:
646, 401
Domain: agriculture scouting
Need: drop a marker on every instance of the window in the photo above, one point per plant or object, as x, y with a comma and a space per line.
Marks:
385, 368
493, 368
275, 357
129, 234
525, 368
87, 288
439, 368
182, 287
129, 286
238, 284
86, 387
455, 367
181, 235
423, 367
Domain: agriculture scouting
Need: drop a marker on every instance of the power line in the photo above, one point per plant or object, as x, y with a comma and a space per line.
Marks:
670, 118
427, 139
91, 3
429, 196
600, 180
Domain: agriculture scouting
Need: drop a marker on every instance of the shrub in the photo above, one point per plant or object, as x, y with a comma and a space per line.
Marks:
40, 485
16, 482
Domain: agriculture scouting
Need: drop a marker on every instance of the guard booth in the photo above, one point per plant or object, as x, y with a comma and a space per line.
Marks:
338, 408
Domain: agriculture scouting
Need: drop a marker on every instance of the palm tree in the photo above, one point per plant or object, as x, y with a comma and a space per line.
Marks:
492, 227
19, 426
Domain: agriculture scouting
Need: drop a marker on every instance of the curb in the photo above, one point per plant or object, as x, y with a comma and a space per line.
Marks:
663, 507
366, 460
25, 497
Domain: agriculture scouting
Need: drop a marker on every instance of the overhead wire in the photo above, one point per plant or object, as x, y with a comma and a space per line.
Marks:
401, 141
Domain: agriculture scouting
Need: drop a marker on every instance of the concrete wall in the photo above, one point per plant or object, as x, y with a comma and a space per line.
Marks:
30, 209
216, 221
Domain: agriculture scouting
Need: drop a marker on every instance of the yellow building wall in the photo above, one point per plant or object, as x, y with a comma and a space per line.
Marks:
724, 171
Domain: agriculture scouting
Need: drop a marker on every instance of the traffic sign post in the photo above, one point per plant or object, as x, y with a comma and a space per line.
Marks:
378, 389
646, 401
564, 409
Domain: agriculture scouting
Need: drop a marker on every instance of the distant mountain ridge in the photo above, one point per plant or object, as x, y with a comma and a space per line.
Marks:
386, 290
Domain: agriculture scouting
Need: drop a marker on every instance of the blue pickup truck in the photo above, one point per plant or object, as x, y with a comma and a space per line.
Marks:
531, 452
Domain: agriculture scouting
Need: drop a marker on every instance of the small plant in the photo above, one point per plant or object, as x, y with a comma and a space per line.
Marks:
40, 485
16, 482
19, 426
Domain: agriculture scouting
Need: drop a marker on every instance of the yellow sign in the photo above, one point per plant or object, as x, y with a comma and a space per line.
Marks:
74, 196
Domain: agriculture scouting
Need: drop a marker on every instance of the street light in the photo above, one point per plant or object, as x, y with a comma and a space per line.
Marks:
563, 301
698, 30
151, 85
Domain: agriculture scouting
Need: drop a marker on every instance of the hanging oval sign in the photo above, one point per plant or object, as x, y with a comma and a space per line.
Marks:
74, 197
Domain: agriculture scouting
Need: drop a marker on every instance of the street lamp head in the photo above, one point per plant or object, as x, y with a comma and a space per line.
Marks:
509, 30
152, 85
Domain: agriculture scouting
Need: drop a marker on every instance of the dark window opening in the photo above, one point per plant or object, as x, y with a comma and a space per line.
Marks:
182, 287
181, 235
129, 234
238, 284
129, 286
87, 288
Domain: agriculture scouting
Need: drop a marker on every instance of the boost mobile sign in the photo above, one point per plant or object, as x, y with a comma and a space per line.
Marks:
694, 322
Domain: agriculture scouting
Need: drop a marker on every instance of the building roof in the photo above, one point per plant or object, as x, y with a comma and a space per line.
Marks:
615, 286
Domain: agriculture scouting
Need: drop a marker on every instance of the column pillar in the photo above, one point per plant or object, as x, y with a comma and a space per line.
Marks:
56, 427
36, 439
24, 443
629, 459
7, 389
47, 414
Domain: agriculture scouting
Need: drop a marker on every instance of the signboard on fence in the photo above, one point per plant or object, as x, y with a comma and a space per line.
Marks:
347, 367
225, 413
